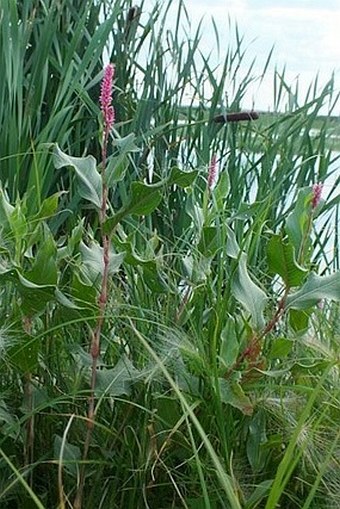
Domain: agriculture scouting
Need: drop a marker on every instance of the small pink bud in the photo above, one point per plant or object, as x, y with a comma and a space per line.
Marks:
317, 190
212, 172
105, 98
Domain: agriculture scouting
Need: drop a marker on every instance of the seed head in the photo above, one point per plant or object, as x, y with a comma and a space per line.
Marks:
212, 172
105, 98
317, 190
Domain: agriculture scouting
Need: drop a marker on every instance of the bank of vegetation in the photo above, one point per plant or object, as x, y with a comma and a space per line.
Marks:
169, 284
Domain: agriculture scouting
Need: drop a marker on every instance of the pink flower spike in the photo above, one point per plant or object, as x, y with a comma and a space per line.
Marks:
212, 172
105, 98
317, 190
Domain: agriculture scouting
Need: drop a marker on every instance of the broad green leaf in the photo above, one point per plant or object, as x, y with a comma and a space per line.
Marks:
65, 301
73, 241
221, 190
34, 296
209, 243
297, 222
256, 453
44, 270
299, 319
117, 166
197, 269
131, 257
314, 289
181, 178
280, 348
36, 285
195, 212
13, 225
126, 144
18, 222
49, 207
24, 353
119, 380
232, 248
116, 169
246, 210
93, 261
153, 278
232, 394
143, 200
281, 260
251, 296
229, 343
6, 210
88, 178
10, 424
84, 293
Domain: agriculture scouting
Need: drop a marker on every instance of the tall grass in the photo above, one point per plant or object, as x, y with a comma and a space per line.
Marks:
182, 420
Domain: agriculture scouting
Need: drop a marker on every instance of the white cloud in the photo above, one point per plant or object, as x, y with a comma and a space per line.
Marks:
305, 34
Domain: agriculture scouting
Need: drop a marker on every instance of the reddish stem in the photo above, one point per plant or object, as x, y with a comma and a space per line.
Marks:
254, 346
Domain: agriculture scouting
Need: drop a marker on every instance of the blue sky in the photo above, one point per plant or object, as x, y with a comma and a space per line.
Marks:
305, 35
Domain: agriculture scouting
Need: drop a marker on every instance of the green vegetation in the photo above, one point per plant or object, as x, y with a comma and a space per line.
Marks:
204, 372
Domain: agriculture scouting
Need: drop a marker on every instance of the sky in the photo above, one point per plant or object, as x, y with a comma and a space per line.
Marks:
305, 35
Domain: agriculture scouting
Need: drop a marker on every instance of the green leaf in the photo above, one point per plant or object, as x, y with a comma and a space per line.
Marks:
71, 454
119, 380
93, 261
195, 212
84, 294
34, 296
24, 353
116, 169
37, 285
9, 423
209, 242
6, 210
261, 491
232, 248
44, 270
48, 207
280, 348
315, 288
229, 343
197, 269
126, 144
221, 190
297, 222
65, 301
299, 319
281, 260
181, 178
13, 224
232, 394
18, 222
248, 293
117, 166
256, 453
143, 200
89, 180
153, 278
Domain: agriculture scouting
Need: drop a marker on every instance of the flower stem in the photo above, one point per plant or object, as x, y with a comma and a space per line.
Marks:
108, 114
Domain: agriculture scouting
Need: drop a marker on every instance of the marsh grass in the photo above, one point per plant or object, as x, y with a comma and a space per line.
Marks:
168, 433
